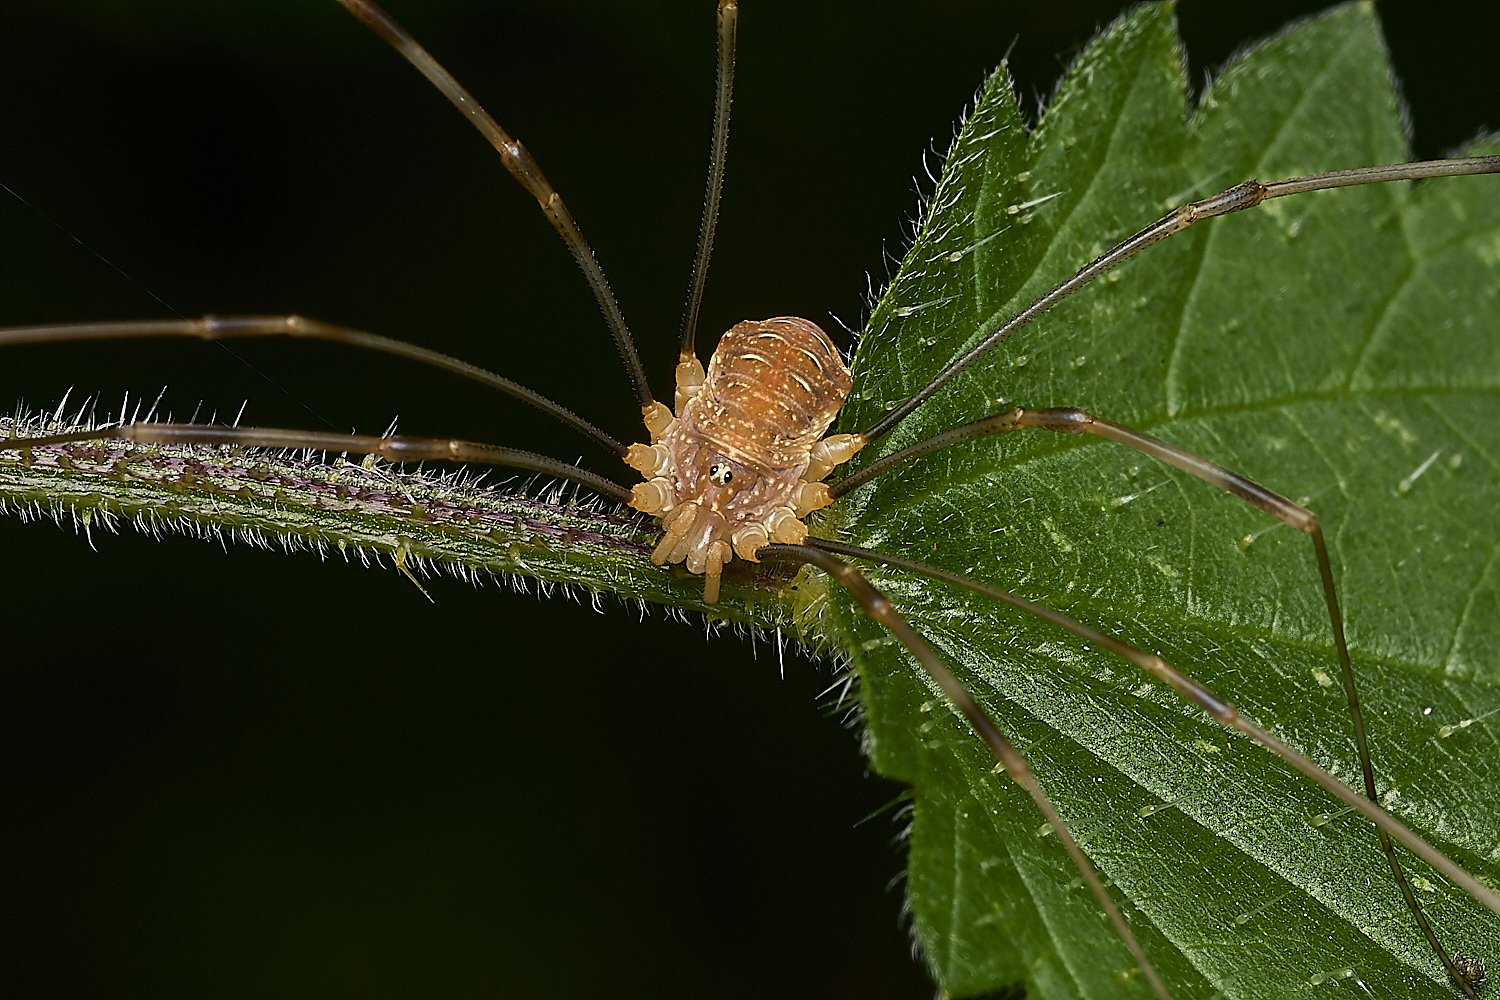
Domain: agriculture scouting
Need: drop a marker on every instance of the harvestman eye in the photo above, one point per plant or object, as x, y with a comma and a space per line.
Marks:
783, 436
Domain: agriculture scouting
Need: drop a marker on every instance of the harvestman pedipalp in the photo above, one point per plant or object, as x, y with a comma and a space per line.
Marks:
305, 440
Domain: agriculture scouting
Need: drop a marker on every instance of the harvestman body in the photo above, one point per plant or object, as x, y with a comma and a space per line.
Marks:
742, 460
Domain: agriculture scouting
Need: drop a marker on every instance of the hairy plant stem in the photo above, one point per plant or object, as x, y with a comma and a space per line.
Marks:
418, 519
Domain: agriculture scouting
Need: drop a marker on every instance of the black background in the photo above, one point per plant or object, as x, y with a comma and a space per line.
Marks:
245, 773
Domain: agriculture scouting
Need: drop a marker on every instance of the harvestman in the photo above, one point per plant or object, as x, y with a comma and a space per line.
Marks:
821, 554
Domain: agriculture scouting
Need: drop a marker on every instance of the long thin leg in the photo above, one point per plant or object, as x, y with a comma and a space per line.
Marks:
729, 16
229, 327
1218, 709
1077, 420
878, 609
1236, 199
524, 169
395, 448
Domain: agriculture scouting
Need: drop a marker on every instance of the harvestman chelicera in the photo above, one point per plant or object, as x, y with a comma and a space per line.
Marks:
788, 541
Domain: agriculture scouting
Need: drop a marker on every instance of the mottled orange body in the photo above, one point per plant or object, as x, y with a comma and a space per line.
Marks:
741, 462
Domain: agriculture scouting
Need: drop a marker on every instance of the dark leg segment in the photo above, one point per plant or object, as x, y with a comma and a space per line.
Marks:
729, 18
523, 168
396, 448
1077, 420
878, 609
1236, 199
231, 327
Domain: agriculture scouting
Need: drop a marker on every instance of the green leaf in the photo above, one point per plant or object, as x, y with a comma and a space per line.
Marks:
1339, 348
